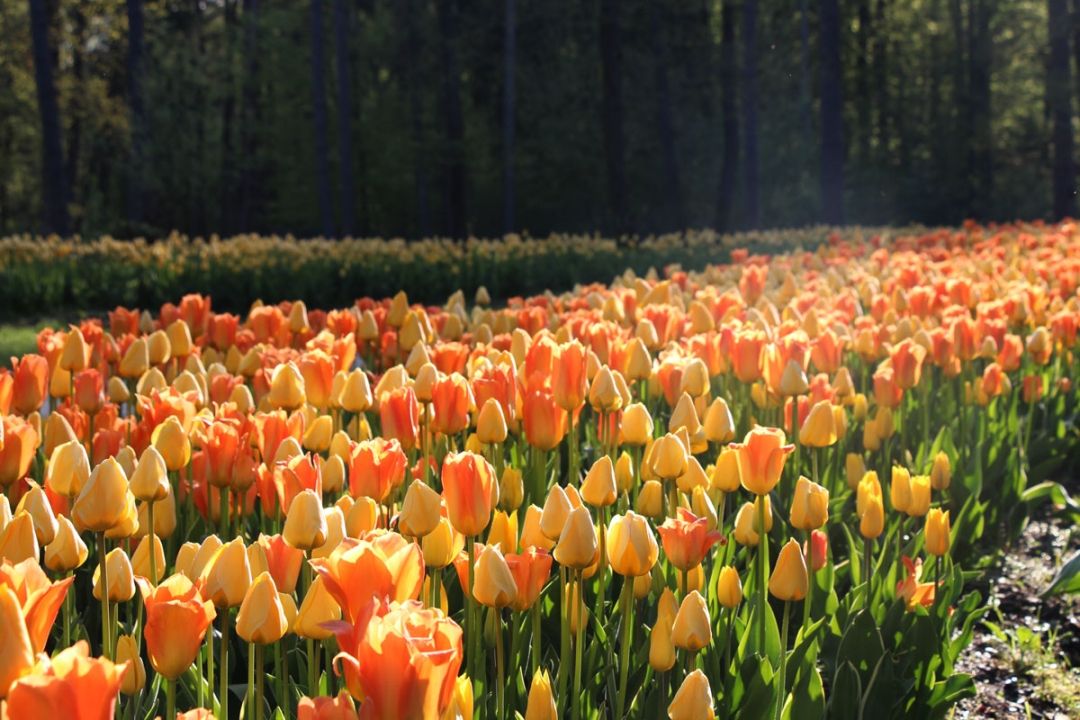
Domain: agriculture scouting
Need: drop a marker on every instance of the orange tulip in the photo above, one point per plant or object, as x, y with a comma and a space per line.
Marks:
317, 369
569, 378
73, 685
911, 590
451, 398
384, 564
544, 420
220, 443
20, 441
39, 598
686, 539
399, 412
887, 391
376, 469
283, 561
531, 569
177, 617
31, 381
404, 663
761, 457
470, 490
907, 359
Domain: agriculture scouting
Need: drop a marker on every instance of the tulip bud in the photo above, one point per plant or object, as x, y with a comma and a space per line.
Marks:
140, 561
37, 505
745, 522
761, 457
261, 618
694, 699
725, 474
937, 537
541, 704
134, 677
287, 387
420, 511
599, 489
872, 518
172, 442
789, 580
102, 501
661, 647
503, 531
854, 469
67, 551
317, 609
577, 546
819, 550
228, 575
669, 457
362, 517
650, 499
631, 547
305, 524
810, 506
491, 423
136, 359
511, 489
442, 545
121, 577
494, 585
729, 587
819, 429
531, 535
692, 630
556, 510
919, 500
69, 466
900, 489
635, 426
941, 472
150, 481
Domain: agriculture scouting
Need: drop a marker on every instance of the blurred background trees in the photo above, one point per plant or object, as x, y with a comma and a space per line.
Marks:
418, 117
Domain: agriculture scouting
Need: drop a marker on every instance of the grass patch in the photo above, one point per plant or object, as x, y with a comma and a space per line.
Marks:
21, 338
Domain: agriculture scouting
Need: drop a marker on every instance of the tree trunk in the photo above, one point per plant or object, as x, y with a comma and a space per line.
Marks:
454, 180
1058, 92
612, 113
344, 116
509, 65
135, 101
751, 199
981, 131
865, 131
250, 97
75, 109
318, 93
420, 156
228, 111
54, 195
832, 116
729, 170
665, 119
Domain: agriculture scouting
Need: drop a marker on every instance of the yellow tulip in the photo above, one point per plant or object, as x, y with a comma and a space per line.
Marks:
937, 531
318, 608
261, 618
729, 587
810, 505
577, 546
692, 630
693, 700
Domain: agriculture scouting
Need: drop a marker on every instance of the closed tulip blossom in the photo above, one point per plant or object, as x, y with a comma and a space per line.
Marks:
530, 569
693, 700
692, 629
631, 547
177, 618
470, 490
761, 457
494, 585
810, 505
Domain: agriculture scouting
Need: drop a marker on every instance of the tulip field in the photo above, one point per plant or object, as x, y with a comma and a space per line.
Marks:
764, 488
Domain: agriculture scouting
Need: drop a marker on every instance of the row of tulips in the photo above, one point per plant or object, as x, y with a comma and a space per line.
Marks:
54, 275
745, 492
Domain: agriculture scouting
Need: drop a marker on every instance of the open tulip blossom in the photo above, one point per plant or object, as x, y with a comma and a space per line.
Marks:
744, 491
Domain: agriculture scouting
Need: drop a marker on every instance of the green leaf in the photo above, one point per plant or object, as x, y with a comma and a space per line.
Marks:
1067, 579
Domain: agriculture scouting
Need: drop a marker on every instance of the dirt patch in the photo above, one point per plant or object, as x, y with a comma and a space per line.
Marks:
1026, 658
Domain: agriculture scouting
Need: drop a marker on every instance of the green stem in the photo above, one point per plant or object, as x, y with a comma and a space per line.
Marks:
106, 631
260, 677
763, 559
279, 692
223, 521
535, 650
810, 582
564, 635
782, 675
223, 670
209, 667
153, 545
251, 682
868, 575
67, 612
575, 701
627, 602
500, 667
170, 698
472, 629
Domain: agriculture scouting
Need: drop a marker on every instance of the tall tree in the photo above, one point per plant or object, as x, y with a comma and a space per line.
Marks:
832, 117
1058, 93
227, 218
751, 196
611, 110
318, 93
980, 58
77, 17
509, 112
454, 179
135, 102
250, 99
665, 120
54, 193
342, 33
729, 164
407, 50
